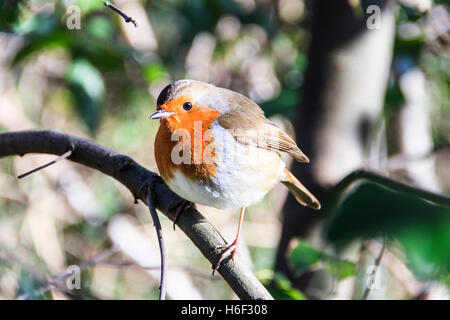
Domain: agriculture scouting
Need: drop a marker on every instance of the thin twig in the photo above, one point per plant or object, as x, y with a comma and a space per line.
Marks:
61, 157
400, 161
121, 13
377, 265
54, 281
162, 250
398, 270
191, 271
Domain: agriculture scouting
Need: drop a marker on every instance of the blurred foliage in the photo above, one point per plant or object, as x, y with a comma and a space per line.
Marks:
29, 286
305, 256
87, 85
98, 48
366, 206
279, 286
96, 81
414, 49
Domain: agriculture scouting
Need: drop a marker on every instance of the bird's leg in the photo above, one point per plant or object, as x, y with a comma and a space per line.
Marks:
180, 205
230, 248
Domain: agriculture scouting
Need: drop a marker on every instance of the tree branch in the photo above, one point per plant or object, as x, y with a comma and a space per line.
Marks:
157, 224
138, 180
61, 157
377, 265
125, 17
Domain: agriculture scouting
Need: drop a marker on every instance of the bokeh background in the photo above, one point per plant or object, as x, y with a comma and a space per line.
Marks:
357, 91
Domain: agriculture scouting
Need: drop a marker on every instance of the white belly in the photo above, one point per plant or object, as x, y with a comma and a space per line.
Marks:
244, 175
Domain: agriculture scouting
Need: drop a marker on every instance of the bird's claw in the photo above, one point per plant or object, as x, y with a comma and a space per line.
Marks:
181, 205
229, 249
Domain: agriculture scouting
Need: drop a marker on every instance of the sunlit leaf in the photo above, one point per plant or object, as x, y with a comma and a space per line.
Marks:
341, 269
154, 72
89, 5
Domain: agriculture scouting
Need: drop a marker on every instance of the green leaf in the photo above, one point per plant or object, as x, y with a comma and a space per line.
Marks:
36, 25
154, 72
304, 256
58, 39
366, 205
300, 62
341, 269
280, 287
100, 28
394, 97
10, 11
284, 103
29, 285
86, 84
87, 6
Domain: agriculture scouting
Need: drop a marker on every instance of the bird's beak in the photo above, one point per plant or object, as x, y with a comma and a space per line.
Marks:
161, 114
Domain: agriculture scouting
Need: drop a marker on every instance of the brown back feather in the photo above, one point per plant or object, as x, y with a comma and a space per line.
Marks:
248, 125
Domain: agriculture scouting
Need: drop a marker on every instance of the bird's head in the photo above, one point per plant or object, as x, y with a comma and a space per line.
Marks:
184, 101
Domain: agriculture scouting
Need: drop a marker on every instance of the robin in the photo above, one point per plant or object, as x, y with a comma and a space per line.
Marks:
215, 147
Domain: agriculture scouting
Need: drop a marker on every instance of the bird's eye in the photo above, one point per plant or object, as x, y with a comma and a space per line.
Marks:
187, 106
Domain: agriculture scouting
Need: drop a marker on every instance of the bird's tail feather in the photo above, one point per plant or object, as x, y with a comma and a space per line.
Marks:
301, 194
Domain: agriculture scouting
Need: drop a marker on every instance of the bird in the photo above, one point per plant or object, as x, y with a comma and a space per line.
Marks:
215, 147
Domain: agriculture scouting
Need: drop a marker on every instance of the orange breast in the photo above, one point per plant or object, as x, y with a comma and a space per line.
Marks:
189, 122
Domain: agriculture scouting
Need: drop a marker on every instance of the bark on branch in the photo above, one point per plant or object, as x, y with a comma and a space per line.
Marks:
138, 179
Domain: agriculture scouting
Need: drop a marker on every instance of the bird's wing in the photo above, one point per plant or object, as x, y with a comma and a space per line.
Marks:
248, 125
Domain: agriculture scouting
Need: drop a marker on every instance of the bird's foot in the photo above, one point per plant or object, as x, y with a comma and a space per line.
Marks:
181, 205
229, 249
